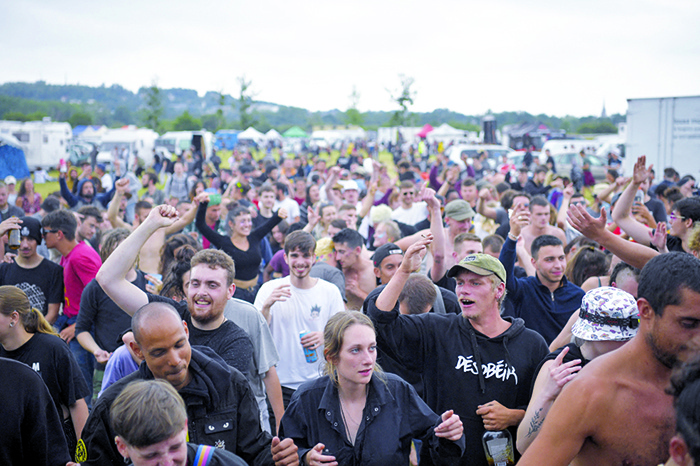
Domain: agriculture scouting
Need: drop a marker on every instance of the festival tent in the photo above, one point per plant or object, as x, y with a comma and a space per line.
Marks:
273, 135
424, 132
251, 134
12, 160
295, 132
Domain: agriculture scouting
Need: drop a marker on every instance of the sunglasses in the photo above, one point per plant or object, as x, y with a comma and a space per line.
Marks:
673, 217
45, 232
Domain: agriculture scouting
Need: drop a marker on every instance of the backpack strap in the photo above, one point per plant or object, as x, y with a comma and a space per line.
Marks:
203, 455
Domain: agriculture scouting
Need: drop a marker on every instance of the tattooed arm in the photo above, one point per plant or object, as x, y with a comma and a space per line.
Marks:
552, 377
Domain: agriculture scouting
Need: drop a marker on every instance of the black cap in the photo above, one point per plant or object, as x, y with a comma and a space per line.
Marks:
383, 251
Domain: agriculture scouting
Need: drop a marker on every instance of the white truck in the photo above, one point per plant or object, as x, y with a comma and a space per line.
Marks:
177, 142
137, 141
667, 131
44, 142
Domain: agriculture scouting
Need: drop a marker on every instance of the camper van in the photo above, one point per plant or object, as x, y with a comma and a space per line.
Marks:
178, 142
138, 141
44, 142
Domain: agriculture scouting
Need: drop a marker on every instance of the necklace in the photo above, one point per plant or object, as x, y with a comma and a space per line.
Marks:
356, 424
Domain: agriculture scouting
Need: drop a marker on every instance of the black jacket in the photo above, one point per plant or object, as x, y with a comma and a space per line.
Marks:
221, 411
394, 415
463, 368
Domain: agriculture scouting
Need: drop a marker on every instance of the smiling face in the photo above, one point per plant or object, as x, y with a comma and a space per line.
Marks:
550, 264
356, 359
477, 295
406, 197
208, 293
300, 262
242, 225
171, 452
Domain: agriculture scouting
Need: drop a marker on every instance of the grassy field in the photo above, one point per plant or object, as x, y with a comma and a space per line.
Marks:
385, 157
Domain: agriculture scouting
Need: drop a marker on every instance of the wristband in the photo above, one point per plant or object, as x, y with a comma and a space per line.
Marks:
513, 237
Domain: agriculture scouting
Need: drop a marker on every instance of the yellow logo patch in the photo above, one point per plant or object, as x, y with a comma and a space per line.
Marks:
80, 452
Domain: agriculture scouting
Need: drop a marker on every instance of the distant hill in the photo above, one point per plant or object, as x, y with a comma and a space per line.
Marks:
116, 106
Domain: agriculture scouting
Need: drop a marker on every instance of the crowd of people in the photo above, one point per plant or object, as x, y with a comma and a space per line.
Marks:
293, 309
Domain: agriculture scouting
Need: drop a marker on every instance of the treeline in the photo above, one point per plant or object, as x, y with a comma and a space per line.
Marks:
184, 109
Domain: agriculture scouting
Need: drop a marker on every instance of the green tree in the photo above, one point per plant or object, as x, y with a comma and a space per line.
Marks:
154, 108
220, 119
245, 101
404, 99
15, 116
211, 122
597, 127
186, 122
123, 115
80, 118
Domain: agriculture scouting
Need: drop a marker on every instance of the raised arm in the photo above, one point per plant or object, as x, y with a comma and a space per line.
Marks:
634, 254
622, 212
519, 218
121, 186
564, 207
112, 274
482, 208
411, 262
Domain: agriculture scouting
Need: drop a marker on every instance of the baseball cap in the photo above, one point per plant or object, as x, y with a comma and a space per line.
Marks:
31, 228
10, 180
480, 264
383, 251
607, 314
459, 210
349, 184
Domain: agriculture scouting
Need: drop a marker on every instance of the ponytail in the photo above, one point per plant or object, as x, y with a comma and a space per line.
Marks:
35, 322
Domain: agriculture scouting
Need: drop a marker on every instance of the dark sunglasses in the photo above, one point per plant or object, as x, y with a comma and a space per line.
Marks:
45, 232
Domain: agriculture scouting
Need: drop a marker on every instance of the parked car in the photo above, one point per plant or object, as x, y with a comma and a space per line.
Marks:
598, 165
472, 151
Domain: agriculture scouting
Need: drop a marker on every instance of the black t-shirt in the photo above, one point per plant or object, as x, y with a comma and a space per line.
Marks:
657, 209
229, 341
674, 243
43, 284
51, 358
102, 317
31, 431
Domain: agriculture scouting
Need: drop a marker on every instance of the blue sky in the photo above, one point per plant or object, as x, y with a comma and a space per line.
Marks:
554, 57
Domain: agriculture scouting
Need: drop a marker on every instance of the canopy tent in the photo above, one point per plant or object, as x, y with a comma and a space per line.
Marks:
12, 159
273, 135
295, 132
424, 132
251, 134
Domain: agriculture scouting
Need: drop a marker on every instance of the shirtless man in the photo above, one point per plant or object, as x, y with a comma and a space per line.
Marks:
357, 267
616, 410
539, 223
149, 255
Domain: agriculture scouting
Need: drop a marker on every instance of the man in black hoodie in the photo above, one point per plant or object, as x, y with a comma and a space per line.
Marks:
478, 364
221, 408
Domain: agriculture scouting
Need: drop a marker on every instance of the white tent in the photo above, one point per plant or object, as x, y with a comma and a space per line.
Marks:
251, 134
447, 133
272, 135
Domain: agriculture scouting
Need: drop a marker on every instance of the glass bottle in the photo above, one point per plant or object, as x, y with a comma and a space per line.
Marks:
498, 446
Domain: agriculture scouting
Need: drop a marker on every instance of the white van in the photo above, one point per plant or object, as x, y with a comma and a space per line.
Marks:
138, 141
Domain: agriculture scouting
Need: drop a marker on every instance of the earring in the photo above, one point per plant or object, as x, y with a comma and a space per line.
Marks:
12, 324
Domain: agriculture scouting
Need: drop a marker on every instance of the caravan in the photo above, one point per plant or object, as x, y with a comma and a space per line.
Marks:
177, 142
44, 142
137, 141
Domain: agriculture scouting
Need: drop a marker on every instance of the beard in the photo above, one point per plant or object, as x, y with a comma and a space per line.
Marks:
665, 357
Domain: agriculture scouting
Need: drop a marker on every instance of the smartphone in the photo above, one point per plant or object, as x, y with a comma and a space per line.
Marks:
639, 196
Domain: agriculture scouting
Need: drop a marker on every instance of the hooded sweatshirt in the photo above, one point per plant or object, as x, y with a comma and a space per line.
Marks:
100, 200
461, 367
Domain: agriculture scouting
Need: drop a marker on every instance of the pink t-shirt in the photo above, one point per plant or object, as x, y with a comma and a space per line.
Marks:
79, 267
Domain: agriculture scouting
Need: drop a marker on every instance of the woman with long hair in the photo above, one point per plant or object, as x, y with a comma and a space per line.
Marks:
242, 244
170, 249
26, 336
358, 415
27, 199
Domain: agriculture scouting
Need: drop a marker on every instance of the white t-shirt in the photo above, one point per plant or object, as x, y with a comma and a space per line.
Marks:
417, 213
304, 310
290, 205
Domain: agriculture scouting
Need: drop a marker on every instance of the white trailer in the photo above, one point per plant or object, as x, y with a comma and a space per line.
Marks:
137, 141
667, 131
44, 142
177, 142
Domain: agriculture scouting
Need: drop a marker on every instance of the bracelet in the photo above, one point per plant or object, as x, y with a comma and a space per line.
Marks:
513, 237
